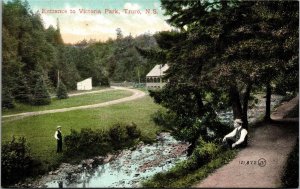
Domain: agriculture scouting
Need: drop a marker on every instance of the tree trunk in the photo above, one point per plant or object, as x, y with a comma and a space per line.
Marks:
268, 103
199, 101
191, 148
245, 105
235, 102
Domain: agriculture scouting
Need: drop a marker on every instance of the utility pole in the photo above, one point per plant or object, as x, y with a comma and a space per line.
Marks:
139, 76
160, 79
57, 78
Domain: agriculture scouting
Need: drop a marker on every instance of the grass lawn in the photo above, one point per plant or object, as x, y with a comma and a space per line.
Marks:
39, 130
70, 102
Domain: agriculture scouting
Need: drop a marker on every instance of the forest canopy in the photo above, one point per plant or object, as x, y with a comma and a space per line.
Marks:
36, 56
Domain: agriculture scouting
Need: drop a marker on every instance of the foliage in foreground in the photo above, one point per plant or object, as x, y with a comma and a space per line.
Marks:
16, 162
290, 177
90, 142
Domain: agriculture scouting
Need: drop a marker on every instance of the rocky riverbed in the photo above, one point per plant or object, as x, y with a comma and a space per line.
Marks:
125, 169
255, 112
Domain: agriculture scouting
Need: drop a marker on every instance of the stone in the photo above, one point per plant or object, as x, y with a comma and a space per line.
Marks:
108, 158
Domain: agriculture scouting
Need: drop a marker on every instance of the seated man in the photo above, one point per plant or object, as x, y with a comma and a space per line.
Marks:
237, 138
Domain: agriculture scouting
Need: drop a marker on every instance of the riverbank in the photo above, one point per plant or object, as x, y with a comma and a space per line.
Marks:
262, 163
126, 168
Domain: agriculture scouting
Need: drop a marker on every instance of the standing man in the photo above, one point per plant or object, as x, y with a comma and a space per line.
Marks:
237, 138
58, 137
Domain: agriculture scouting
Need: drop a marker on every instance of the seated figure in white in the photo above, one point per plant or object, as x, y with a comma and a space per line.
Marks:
238, 137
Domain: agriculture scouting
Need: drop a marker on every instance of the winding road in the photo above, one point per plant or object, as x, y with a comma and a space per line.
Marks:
136, 95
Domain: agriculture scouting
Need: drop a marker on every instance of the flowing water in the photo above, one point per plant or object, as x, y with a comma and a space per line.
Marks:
130, 168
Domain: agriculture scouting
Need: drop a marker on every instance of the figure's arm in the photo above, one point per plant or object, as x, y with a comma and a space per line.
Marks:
242, 138
231, 134
55, 135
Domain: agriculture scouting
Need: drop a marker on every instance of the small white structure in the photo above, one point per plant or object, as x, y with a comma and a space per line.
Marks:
85, 84
154, 77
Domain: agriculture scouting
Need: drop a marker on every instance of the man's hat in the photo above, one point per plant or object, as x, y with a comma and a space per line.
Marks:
239, 121
58, 127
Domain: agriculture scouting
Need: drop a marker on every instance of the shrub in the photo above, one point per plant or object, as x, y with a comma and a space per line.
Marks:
205, 152
86, 143
132, 131
90, 142
16, 162
62, 92
118, 134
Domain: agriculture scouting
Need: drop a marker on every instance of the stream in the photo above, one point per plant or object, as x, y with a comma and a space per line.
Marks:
130, 167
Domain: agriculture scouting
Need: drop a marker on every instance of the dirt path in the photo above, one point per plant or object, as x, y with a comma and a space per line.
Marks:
136, 94
269, 147
90, 92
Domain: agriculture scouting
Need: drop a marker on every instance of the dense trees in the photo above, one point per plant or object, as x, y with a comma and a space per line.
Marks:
34, 56
25, 52
222, 52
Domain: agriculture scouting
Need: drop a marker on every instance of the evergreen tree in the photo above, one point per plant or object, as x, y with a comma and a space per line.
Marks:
7, 98
62, 92
41, 95
22, 92
221, 52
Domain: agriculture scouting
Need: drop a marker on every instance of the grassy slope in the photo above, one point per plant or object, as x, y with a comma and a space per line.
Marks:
39, 130
70, 102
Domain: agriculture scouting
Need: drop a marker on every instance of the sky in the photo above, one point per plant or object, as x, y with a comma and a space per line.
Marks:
103, 22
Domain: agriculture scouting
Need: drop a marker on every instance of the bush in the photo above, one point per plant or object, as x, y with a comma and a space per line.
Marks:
62, 92
123, 135
132, 131
17, 162
87, 143
118, 134
90, 142
205, 152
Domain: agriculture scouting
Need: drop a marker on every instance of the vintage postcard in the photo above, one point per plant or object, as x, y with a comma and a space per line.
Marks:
150, 93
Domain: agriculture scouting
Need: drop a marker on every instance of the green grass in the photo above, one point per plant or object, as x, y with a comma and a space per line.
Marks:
164, 180
70, 102
39, 130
